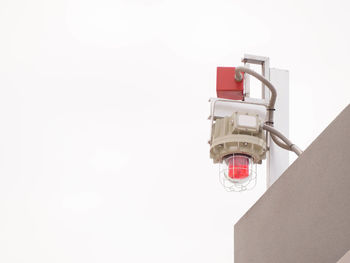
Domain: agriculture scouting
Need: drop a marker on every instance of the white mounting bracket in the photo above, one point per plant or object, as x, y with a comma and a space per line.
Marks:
265, 70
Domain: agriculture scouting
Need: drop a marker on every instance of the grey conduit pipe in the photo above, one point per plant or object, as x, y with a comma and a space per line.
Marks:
291, 146
279, 142
271, 106
276, 136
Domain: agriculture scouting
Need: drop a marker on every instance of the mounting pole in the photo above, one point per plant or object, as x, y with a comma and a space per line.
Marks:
277, 159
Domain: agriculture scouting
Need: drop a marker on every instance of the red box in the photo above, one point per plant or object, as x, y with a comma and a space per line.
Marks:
226, 85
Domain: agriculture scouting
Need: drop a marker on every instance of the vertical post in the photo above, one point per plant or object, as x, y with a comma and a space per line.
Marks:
277, 159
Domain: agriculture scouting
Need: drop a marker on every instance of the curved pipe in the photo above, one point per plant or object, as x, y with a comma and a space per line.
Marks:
266, 82
291, 146
276, 136
279, 142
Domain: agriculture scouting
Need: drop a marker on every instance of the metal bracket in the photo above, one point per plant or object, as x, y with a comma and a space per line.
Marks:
265, 69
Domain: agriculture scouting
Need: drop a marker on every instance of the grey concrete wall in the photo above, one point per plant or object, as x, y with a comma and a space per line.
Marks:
305, 215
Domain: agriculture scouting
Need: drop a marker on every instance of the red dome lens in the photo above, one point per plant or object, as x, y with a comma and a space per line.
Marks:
238, 167
237, 172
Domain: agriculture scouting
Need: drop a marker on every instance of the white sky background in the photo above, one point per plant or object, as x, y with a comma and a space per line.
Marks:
103, 111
